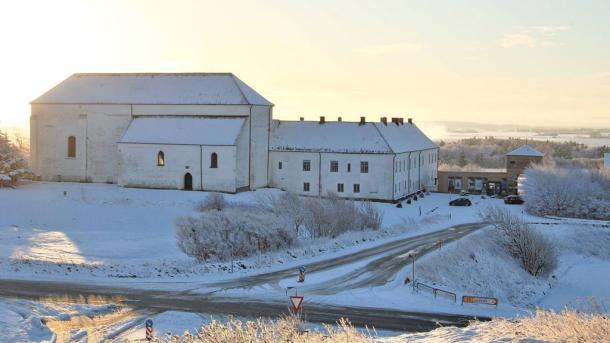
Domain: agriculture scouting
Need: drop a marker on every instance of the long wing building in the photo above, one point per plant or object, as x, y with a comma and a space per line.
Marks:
212, 132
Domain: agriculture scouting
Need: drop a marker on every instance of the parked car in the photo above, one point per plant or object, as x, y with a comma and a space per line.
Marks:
513, 200
460, 202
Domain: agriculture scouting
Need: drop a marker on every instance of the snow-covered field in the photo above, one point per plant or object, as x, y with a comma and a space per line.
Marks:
105, 234
58, 231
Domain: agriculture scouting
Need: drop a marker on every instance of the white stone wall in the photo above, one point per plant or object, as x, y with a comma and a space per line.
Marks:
207, 110
259, 131
97, 128
414, 171
138, 166
291, 177
376, 184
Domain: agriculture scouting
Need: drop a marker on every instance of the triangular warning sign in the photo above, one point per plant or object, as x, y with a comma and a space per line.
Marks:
296, 302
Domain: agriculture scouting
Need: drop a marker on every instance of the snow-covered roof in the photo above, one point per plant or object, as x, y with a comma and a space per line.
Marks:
525, 150
607, 160
347, 137
183, 130
153, 88
405, 137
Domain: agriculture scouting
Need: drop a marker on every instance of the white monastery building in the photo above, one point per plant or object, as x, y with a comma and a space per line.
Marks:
212, 132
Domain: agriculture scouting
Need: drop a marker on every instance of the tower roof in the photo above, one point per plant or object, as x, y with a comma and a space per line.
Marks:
525, 150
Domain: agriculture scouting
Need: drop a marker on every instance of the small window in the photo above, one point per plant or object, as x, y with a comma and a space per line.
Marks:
71, 146
306, 165
160, 159
349, 167
279, 165
364, 166
340, 188
356, 188
214, 160
334, 166
306, 187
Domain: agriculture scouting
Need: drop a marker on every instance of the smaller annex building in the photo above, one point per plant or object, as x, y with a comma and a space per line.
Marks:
360, 160
490, 181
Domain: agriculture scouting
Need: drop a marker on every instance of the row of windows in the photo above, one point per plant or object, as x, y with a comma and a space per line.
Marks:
403, 165
161, 159
340, 187
334, 166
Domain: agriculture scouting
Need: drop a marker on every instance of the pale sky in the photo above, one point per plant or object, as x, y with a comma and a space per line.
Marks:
519, 62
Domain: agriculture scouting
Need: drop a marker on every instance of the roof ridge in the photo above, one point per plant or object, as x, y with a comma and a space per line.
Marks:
243, 95
154, 74
383, 137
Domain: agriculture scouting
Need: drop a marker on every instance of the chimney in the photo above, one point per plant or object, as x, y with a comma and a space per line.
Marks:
339, 119
395, 120
301, 119
384, 120
401, 120
322, 120
362, 121
410, 120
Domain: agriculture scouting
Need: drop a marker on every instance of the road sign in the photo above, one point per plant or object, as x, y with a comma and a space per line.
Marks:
149, 329
479, 300
296, 302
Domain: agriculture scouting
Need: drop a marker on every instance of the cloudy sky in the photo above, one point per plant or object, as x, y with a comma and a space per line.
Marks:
528, 62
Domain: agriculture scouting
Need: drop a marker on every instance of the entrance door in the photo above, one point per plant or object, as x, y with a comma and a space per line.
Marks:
188, 182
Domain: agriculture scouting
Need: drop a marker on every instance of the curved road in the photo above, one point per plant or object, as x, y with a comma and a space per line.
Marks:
382, 264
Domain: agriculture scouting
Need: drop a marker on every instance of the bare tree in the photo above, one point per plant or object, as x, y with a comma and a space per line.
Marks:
535, 252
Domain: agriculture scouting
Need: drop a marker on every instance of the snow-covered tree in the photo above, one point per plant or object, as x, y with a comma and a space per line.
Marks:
535, 252
13, 164
567, 192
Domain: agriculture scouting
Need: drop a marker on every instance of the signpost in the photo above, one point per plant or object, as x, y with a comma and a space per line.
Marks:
149, 329
479, 300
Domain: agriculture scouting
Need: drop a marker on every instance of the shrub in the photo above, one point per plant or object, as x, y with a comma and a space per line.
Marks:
214, 201
238, 231
535, 252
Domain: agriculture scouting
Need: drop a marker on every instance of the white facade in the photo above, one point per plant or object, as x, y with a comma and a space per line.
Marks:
378, 161
162, 131
607, 160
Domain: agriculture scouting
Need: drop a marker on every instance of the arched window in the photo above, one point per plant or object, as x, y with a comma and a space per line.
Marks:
71, 146
214, 160
160, 159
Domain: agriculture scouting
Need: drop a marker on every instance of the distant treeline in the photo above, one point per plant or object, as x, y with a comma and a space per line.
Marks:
489, 152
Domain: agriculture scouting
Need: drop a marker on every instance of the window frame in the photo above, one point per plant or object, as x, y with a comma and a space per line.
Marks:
306, 165
334, 166
356, 188
214, 160
340, 188
71, 153
160, 159
306, 187
364, 167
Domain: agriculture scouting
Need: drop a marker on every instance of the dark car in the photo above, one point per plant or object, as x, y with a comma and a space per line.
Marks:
513, 200
460, 202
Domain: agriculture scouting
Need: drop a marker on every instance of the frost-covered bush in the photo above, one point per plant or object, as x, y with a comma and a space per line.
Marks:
323, 217
214, 201
333, 216
567, 192
275, 221
237, 231
12, 161
535, 252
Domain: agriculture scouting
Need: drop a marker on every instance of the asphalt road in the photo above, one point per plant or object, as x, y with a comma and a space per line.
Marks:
384, 261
